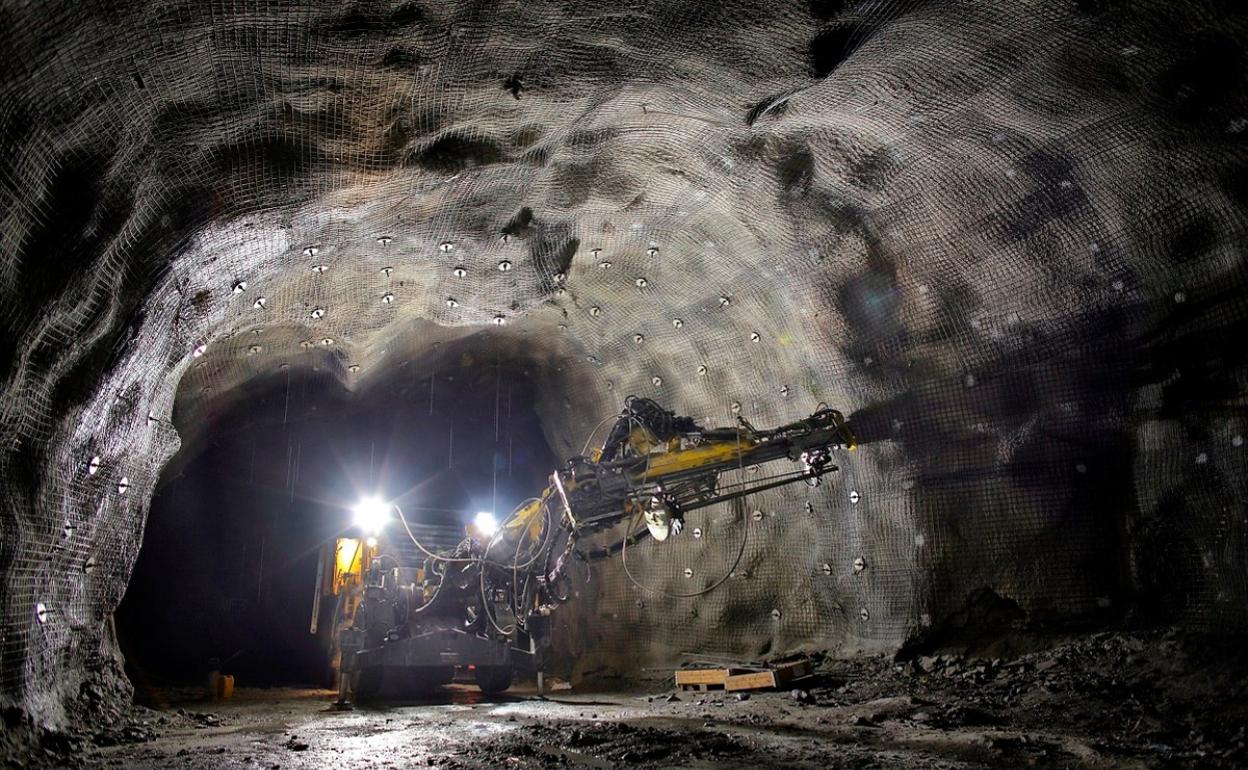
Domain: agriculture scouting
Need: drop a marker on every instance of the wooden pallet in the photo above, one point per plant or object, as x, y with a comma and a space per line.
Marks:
737, 679
771, 678
703, 678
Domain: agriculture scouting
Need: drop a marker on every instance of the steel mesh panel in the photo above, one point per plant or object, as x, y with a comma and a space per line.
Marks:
1006, 238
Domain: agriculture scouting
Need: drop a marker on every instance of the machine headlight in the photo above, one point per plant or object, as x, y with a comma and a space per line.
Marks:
371, 514
485, 524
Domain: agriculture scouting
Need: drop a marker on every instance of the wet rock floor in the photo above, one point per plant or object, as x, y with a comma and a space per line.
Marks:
1104, 701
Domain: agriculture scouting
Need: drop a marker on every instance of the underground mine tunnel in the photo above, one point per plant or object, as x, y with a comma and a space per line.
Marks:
656, 383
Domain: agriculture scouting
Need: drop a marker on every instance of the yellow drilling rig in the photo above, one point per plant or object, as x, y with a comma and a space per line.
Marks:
477, 606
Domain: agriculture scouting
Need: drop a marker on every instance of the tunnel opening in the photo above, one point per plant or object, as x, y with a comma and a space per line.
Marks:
226, 577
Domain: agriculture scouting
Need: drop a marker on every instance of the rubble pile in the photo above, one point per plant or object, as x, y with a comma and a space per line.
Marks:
1154, 696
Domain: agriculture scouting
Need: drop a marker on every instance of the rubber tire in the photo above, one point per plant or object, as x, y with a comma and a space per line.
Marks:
493, 679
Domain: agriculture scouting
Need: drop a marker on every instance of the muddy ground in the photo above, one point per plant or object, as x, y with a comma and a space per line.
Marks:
1113, 700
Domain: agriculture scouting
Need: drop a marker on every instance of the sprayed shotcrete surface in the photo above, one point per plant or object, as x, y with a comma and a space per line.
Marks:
1007, 238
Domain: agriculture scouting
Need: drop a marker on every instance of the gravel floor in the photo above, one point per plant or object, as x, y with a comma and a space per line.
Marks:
1108, 700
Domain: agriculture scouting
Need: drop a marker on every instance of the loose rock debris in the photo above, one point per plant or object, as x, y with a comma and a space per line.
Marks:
1111, 700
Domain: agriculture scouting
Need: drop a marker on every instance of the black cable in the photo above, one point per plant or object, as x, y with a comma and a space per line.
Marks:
736, 562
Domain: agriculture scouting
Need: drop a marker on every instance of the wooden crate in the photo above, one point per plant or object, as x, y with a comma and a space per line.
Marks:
702, 678
771, 678
737, 679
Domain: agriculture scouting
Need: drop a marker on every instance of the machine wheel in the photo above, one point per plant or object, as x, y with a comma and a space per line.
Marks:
366, 683
493, 678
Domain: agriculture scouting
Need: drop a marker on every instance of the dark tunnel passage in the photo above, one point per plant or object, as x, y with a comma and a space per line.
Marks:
227, 572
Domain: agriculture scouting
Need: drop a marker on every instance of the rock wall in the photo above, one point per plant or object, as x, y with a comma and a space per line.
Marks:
1007, 238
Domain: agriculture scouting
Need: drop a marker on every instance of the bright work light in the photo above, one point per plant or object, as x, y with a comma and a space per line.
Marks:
485, 523
371, 514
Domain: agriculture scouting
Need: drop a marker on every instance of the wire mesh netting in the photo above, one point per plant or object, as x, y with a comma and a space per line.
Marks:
1007, 239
